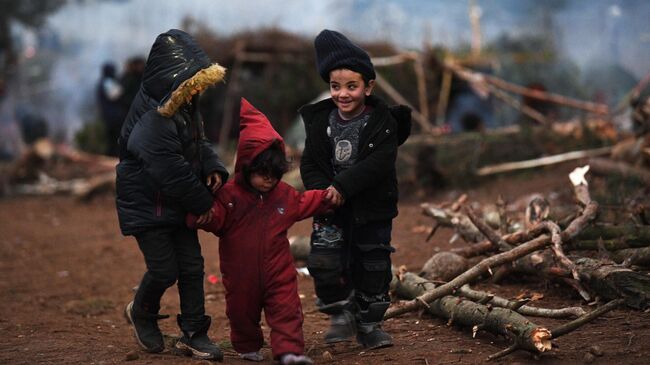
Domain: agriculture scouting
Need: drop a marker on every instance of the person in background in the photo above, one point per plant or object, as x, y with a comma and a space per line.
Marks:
131, 80
112, 112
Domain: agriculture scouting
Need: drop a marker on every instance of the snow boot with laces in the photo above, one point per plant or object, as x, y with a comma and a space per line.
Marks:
145, 327
197, 343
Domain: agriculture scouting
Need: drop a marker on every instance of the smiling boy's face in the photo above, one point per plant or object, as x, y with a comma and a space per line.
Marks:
349, 91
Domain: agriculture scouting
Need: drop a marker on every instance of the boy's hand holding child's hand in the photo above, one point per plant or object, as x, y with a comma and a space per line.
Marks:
334, 197
214, 182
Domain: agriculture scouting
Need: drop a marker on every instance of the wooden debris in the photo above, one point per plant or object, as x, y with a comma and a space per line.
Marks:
526, 334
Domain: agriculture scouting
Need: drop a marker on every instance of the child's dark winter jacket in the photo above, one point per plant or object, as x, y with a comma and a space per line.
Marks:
370, 187
164, 156
256, 262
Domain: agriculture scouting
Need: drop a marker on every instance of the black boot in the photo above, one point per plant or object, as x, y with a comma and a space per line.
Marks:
342, 320
145, 327
197, 343
369, 332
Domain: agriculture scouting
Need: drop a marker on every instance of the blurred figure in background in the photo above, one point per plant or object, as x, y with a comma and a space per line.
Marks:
112, 111
131, 80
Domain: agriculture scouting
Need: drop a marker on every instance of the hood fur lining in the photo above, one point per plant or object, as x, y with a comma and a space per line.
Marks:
195, 84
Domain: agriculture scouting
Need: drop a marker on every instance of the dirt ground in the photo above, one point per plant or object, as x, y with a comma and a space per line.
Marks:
66, 273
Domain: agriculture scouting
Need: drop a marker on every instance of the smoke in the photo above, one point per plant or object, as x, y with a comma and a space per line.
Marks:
90, 33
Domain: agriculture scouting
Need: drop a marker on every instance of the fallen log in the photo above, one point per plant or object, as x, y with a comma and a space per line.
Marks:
611, 281
501, 321
486, 265
613, 244
635, 236
607, 167
632, 257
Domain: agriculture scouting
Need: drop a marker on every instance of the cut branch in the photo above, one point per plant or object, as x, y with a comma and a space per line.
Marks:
485, 298
579, 322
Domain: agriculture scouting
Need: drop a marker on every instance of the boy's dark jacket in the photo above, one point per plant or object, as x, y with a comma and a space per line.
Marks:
370, 185
164, 156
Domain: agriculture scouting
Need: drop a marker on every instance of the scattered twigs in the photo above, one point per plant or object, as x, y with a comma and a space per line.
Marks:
450, 218
554, 229
504, 352
485, 265
485, 298
579, 322
487, 231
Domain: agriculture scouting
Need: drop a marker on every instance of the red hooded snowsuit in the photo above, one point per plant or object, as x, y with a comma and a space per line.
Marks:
256, 263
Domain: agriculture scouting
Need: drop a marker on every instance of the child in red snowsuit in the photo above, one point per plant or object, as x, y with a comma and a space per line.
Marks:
251, 214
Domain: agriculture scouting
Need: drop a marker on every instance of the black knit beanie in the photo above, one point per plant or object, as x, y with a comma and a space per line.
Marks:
334, 51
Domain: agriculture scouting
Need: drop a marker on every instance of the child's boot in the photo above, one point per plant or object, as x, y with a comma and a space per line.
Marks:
342, 321
145, 327
197, 343
293, 359
369, 332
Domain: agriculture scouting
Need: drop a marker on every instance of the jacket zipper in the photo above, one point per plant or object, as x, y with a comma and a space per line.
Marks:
260, 252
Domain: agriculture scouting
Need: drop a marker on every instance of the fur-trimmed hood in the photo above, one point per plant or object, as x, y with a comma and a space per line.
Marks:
176, 69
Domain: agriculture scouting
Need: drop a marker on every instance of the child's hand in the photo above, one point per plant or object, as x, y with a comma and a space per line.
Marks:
334, 197
204, 218
214, 182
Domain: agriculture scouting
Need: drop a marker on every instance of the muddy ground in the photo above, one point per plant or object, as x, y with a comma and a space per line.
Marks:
66, 273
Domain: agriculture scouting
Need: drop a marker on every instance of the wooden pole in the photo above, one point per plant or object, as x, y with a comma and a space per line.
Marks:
543, 161
423, 99
443, 99
398, 98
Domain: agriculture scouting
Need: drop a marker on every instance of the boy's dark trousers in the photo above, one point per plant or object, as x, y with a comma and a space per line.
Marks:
346, 257
173, 254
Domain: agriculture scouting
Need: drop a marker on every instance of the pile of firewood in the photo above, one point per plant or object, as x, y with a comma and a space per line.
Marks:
597, 259
46, 168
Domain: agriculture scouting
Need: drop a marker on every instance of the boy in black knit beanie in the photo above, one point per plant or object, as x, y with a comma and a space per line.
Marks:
350, 150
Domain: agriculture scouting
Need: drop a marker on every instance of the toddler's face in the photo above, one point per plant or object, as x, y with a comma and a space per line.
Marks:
349, 91
263, 183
